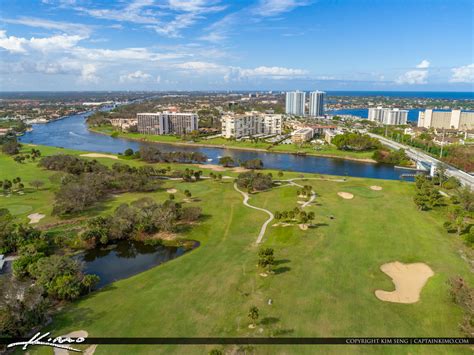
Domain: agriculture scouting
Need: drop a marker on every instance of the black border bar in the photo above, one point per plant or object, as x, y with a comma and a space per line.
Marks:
265, 341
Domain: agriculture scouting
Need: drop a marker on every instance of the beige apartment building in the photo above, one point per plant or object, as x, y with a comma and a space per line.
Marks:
250, 124
455, 119
302, 135
167, 123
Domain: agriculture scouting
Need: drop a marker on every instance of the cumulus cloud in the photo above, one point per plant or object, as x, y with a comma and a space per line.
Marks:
417, 76
89, 73
136, 77
237, 73
46, 44
424, 64
463, 74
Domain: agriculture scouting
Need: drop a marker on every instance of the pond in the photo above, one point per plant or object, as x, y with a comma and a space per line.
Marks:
127, 258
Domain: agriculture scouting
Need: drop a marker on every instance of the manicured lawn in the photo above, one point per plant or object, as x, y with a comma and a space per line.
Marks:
324, 280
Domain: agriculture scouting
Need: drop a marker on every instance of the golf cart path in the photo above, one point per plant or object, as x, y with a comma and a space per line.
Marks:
264, 226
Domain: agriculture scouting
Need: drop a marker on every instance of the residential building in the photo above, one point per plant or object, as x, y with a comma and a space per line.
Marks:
321, 129
455, 119
251, 124
388, 116
302, 135
167, 123
295, 103
329, 135
316, 103
124, 124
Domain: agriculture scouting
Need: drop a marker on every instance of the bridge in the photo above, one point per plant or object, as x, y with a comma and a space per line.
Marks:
426, 162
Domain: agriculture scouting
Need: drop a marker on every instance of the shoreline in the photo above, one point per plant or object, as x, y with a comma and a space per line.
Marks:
360, 160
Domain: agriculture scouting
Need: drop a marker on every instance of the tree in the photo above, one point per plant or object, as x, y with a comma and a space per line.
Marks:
89, 282
280, 174
226, 161
466, 199
253, 315
252, 164
266, 258
422, 201
36, 184
128, 152
11, 147
187, 193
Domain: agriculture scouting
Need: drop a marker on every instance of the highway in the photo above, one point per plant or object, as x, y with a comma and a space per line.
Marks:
417, 155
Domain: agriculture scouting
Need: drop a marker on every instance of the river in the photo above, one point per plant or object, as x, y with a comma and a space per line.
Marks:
71, 132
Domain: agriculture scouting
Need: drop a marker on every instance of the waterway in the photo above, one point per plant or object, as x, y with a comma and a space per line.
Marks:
71, 132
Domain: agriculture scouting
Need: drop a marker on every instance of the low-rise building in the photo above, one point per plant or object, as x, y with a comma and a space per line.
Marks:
167, 123
250, 124
124, 124
329, 135
302, 135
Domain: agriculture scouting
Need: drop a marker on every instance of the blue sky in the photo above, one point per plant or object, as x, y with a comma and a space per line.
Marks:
414, 45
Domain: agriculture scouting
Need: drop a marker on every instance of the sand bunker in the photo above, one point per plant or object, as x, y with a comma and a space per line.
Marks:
301, 202
76, 334
35, 217
303, 227
98, 155
408, 279
171, 191
346, 195
376, 188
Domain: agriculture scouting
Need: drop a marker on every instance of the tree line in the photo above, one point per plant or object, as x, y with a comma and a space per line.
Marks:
86, 182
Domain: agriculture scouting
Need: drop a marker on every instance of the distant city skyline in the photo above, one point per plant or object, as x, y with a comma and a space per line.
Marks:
280, 45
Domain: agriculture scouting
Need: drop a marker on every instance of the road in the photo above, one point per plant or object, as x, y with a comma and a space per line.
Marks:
415, 154
264, 226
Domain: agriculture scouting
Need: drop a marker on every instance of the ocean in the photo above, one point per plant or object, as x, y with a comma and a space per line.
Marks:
448, 95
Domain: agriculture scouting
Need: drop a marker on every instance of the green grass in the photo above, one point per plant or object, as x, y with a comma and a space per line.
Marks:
326, 150
324, 283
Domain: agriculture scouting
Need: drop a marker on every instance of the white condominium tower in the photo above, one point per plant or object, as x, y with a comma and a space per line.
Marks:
295, 101
455, 119
316, 103
250, 124
167, 123
388, 116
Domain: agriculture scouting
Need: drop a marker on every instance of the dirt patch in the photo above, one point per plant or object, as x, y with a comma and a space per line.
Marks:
282, 224
303, 227
35, 217
346, 195
98, 155
237, 169
171, 191
227, 177
76, 334
409, 280
376, 188
301, 202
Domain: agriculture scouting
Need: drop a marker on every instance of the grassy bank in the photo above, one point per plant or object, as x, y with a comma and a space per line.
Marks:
324, 280
326, 151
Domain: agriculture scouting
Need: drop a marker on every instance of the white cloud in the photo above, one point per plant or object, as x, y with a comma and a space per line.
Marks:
137, 76
46, 44
52, 25
273, 72
88, 73
424, 64
267, 8
195, 6
464, 74
11, 43
199, 66
417, 76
